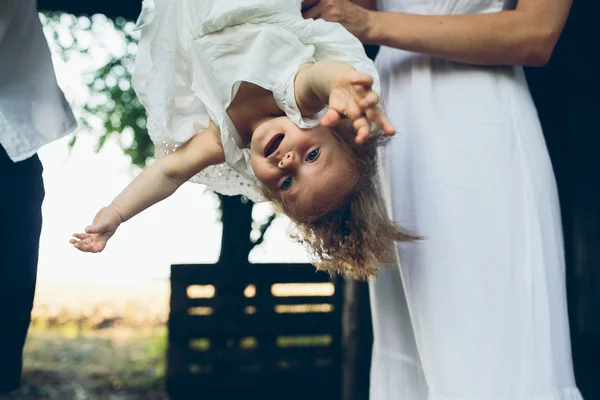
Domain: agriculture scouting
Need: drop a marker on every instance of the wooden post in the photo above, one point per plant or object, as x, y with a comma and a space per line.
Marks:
357, 334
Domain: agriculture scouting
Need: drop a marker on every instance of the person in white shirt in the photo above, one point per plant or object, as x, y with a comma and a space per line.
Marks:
33, 112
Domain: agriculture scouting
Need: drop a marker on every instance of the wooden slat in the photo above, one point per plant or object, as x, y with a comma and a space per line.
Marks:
188, 331
295, 384
286, 376
206, 274
269, 301
222, 302
183, 326
178, 299
177, 359
302, 300
265, 315
239, 355
304, 352
227, 356
267, 370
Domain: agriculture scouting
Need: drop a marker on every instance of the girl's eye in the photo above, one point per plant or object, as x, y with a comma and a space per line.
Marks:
313, 155
287, 183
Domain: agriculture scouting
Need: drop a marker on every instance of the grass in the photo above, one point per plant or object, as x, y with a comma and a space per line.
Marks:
108, 343
70, 360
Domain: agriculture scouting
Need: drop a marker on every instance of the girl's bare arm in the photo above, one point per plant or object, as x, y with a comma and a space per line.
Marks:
157, 182
168, 173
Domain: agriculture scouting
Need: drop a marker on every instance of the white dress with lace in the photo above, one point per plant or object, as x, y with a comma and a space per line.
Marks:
193, 54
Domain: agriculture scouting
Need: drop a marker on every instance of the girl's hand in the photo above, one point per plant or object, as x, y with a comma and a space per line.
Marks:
351, 96
96, 235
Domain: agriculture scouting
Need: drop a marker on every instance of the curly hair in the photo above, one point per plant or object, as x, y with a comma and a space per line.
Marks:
354, 235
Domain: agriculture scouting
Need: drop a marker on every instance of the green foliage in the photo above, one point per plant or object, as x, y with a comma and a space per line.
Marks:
121, 111
112, 108
97, 365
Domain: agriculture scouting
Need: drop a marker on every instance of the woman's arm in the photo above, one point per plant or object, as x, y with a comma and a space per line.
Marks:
524, 36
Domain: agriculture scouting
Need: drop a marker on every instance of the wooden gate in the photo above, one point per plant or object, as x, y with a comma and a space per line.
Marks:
264, 331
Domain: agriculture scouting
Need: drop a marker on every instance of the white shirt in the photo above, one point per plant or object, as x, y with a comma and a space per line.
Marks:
33, 109
193, 54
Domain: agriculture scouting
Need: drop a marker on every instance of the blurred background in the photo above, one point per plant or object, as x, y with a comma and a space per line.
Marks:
99, 320
103, 324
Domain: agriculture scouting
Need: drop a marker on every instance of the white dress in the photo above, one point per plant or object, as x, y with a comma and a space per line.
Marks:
193, 54
477, 309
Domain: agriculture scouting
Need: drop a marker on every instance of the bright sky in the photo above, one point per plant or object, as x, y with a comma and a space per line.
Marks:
79, 181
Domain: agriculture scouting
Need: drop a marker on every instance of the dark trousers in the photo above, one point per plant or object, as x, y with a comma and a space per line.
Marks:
21, 196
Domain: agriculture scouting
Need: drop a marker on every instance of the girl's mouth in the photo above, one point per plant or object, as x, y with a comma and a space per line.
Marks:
273, 144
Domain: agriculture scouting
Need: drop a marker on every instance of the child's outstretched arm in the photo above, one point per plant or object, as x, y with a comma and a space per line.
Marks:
346, 91
154, 184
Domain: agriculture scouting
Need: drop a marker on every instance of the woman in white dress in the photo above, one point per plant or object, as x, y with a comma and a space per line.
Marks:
477, 309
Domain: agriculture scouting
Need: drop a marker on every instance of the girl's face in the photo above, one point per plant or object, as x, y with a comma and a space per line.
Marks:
306, 168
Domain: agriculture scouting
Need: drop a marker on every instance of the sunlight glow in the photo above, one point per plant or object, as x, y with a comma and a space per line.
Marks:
78, 181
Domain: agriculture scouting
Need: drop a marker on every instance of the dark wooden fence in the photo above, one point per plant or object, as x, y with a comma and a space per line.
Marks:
262, 331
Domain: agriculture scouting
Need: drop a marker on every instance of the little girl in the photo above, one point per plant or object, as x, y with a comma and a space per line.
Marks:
234, 93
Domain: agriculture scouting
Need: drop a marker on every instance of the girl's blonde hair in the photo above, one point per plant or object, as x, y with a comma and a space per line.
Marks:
354, 236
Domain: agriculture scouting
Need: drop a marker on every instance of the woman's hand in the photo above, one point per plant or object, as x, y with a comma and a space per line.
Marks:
351, 96
96, 235
523, 36
354, 18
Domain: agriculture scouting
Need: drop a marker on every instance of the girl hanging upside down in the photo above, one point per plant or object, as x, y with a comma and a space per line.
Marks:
249, 98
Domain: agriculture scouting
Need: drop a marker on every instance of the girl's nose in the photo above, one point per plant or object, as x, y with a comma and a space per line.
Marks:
287, 160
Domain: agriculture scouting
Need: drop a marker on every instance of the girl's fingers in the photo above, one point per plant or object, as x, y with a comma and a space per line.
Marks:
379, 118
87, 247
369, 100
383, 122
361, 125
388, 129
86, 243
363, 129
79, 245
361, 79
353, 112
95, 228
331, 118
